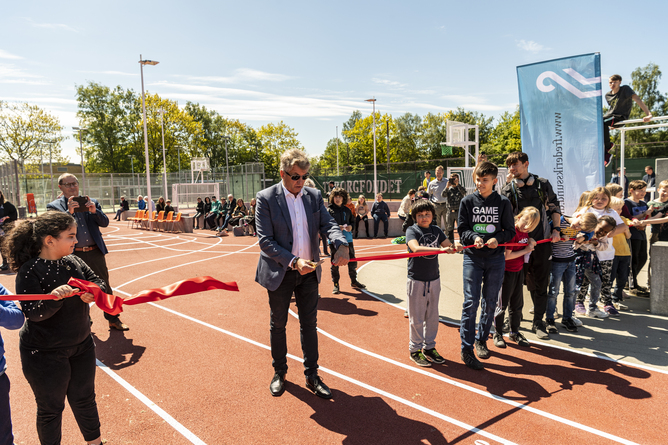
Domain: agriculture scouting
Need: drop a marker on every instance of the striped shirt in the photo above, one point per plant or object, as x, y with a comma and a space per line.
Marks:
562, 251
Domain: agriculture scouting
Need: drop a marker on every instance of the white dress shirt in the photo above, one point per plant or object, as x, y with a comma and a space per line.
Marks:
301, 242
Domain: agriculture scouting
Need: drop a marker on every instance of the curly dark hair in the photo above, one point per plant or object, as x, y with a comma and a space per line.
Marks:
422, 205
25, 239
338, 191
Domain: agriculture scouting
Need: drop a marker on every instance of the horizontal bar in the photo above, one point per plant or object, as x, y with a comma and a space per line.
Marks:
637, 121
642, 127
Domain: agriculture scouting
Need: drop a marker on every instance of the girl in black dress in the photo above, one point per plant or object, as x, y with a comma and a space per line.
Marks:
56, 346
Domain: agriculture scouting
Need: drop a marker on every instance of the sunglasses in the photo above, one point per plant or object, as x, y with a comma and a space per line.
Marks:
296, 177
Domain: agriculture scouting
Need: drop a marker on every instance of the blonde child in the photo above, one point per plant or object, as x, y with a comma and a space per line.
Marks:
615, 190
511, 295
588, 263
598, 203
622, 261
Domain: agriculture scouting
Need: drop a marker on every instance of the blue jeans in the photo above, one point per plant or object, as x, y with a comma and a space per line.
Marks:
561, 272
377, 217
482, 275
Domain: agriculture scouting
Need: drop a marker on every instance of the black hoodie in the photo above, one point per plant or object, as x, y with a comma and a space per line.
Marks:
485, 218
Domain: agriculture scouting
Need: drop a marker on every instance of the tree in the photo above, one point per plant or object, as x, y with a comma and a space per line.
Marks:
410, 137
274, 140
506, 136
25, 130
109, 120
360, 138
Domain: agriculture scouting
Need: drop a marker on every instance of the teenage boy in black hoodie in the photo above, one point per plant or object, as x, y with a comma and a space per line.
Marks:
485, 221
344, 218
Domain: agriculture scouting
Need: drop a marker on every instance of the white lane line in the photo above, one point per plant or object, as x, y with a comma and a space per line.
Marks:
203, 250
401, 400
155, 408
180, 265
475, 390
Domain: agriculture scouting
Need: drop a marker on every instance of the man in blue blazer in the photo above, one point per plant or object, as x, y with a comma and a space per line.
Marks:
289, 217
90, 246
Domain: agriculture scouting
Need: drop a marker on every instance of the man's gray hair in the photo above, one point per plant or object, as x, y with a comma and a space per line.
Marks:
293, 157
66, 175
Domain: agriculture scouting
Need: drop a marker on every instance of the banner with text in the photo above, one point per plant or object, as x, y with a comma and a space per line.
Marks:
392, 186
562, 127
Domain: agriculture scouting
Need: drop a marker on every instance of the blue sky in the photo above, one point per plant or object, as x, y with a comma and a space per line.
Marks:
311, 64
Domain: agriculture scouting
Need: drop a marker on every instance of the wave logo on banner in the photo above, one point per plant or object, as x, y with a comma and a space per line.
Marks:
540, 83
562, 124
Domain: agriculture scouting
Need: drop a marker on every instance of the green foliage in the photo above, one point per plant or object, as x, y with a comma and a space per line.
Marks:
274, 139
27, 132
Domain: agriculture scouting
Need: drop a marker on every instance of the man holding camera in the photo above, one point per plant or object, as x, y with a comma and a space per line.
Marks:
90, 246
453, 195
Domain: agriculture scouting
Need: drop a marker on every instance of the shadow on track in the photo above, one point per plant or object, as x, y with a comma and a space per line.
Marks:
118, 351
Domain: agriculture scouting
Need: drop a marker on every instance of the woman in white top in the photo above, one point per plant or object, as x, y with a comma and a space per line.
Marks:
362, 215
406, 203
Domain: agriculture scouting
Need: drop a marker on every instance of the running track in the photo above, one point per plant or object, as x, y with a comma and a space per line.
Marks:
196, 369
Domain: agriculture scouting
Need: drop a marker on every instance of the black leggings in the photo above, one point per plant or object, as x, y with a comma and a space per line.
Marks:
638, 258
55, 375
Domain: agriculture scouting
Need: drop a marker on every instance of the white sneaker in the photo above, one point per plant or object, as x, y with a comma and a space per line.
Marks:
577, 321
596, 313
621, 306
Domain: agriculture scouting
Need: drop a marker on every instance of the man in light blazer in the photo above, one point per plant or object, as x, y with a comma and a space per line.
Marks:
289, 217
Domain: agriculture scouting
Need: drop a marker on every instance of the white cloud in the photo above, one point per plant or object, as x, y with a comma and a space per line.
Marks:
7, 55
9, 73
54, 26
531, 46
243, 75
389, 83
111, 73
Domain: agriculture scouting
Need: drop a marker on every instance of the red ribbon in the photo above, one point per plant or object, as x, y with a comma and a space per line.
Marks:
114, 305
399, 256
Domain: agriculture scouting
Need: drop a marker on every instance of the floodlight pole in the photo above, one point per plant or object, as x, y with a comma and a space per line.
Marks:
83, 171
337, 151
143, 107
375, 172
227, 166
164, 162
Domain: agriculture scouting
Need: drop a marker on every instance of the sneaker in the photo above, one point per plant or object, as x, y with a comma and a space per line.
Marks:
620, 306
610, 310
519, 338
419, 359
596, 313
481, 349
506, 326
433, 356
336, 290
357, 285
580, 308
471, 361
531, 310
405, 314
551, 327
569, 324
577, 321
499, 342
539, 329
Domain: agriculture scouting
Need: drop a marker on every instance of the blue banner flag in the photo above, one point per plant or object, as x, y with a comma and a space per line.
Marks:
562, 124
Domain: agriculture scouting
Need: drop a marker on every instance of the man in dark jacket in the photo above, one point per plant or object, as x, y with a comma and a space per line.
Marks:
90, 246
380, 212
524, 190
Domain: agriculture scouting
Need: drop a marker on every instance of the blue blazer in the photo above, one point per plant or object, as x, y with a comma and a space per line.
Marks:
274, 229
93, 220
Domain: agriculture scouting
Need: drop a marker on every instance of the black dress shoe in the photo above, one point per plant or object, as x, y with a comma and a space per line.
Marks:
315, 384
277, 385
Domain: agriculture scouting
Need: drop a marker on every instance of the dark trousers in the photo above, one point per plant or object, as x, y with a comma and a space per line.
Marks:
6, 436
118, 214
196, 219
511, 298
95, 260
364, 218
228, 217
305, 289
324, 245
537, 275
211, 220
638, 258
620, 271
352, 266
377, 217
55, 375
